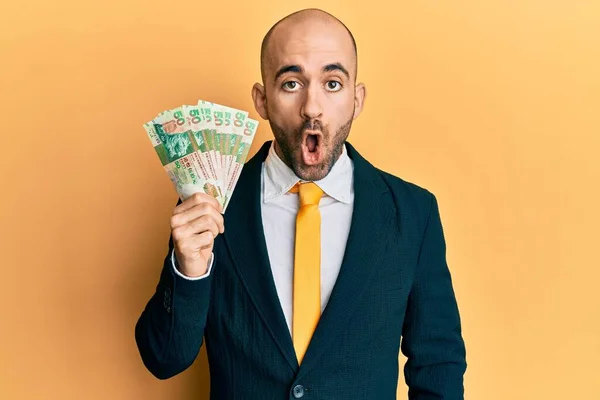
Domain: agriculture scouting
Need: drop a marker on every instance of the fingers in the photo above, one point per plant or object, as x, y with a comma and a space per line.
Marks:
195, 224
192, 245
196, 199
196, 212
205, 223
203, 240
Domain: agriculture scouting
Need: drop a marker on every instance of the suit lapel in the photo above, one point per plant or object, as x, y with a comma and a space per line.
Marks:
245, 240
369, 231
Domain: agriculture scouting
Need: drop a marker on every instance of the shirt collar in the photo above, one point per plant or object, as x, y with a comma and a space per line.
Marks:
279, 178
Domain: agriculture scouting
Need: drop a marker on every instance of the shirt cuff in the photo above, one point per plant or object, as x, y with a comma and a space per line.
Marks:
196, 278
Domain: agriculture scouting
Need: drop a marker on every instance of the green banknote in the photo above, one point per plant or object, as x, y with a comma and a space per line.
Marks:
241, 153
202, 147
182, 163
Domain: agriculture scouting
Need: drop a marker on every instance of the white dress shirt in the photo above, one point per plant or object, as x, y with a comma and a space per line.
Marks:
279, 209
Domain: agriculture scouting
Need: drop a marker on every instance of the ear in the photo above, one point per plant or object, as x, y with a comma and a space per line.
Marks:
260, 100
360, 92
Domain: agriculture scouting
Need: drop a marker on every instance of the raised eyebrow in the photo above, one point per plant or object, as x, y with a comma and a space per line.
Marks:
336, 67
286, 69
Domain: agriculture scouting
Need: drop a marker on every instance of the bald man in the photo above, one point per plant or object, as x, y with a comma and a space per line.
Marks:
327, 262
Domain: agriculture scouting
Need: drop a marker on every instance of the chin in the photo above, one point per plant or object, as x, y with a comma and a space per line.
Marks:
311, 172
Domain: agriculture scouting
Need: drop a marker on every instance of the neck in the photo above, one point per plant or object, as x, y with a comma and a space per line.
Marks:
280, 154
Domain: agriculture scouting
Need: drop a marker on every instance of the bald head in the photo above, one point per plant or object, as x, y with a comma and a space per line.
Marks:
298, 26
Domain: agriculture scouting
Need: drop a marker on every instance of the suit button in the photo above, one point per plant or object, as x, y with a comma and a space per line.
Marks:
298, 391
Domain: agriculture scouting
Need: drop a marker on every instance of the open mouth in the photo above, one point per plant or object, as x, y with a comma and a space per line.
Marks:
311, 147
311, 142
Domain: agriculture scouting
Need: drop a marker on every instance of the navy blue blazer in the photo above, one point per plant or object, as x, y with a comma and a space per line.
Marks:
394, 283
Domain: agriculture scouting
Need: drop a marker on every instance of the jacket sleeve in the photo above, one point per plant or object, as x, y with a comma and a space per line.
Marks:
170, 329
432, 339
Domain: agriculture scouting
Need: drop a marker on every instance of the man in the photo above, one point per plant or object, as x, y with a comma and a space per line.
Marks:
326, 261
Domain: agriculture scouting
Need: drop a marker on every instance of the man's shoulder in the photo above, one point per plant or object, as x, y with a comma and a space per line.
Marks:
407, 195
402, 186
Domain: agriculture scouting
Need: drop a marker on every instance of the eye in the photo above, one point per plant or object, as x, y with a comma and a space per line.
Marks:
334, 86
290, 86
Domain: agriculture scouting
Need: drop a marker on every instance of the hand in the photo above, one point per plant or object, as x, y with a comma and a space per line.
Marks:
195, 224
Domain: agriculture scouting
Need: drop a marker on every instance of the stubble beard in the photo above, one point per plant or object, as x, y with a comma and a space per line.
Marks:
290, 146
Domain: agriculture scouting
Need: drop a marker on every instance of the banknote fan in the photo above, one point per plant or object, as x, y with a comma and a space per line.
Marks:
203, 147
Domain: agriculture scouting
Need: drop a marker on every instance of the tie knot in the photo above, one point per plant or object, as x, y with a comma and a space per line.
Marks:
310, 193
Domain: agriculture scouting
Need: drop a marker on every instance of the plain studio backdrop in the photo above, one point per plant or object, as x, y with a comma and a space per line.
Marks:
494, 106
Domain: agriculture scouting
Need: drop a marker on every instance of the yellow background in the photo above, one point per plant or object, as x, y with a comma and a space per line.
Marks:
494, 106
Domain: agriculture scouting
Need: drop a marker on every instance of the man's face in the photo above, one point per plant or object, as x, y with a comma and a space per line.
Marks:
309, 95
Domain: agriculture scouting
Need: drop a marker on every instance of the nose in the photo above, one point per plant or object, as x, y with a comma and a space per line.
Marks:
311, 107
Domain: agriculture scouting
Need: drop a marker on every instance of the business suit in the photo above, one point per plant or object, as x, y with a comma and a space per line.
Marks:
393, 281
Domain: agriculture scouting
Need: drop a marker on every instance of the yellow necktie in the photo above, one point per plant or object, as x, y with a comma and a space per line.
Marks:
306, 309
